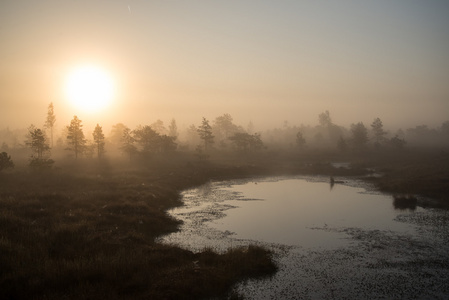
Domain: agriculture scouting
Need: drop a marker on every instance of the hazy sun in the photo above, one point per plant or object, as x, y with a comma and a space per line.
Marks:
89, 88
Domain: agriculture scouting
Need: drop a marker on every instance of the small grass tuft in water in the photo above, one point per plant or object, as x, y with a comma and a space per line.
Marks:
404, 202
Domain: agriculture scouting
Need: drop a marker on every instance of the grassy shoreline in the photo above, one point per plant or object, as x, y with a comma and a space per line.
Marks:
89, 233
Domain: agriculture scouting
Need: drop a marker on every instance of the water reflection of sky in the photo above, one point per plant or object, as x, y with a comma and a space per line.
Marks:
291, 211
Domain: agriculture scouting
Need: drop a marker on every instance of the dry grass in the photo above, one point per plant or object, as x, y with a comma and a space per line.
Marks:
419, 172
89, 234
87, 231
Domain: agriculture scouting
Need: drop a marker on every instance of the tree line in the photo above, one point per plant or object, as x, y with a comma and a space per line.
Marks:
358, 137
220, 134
144, 140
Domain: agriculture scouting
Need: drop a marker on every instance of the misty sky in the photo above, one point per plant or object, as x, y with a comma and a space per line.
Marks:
260, 61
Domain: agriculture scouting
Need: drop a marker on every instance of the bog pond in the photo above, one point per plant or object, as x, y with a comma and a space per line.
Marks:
337, 240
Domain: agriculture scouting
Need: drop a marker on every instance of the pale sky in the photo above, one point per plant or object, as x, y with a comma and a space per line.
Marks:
260, 61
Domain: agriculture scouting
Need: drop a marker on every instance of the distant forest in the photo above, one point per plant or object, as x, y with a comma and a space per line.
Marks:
39, 146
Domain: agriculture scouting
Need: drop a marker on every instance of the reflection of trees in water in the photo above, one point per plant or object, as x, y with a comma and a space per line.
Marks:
332, 181
403, 202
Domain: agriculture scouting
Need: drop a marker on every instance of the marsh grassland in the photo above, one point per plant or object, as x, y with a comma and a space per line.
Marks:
87, 229
89, 234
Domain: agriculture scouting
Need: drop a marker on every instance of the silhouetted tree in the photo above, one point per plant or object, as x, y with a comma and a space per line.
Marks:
205, 133
397, 142
159, 127
378, 131
423, 135
359, 135
50, 121
246, 142
99, 140
240, 141
421, 130
173, 129
325, 119
116, 135
255, 142
300, 140
148, 139
37, 141
9, 137
223, 127
167, 143
75, 136
128, 143
5, 161
333, 131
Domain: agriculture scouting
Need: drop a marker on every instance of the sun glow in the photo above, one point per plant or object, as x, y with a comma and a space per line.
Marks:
89, 88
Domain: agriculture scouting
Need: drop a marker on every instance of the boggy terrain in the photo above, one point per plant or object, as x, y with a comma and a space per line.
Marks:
87, 229
89, 234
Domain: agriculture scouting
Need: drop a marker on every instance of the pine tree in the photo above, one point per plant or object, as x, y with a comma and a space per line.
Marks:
50, 121
379, 132
116, 136
173, 129
128, 143
359, 135
5, 161
223, 127
75, 137
99, 140
325, 119
37, 141
148, 139
158, 127
205, 133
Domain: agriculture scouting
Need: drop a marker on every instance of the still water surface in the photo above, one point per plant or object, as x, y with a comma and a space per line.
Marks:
289, 210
